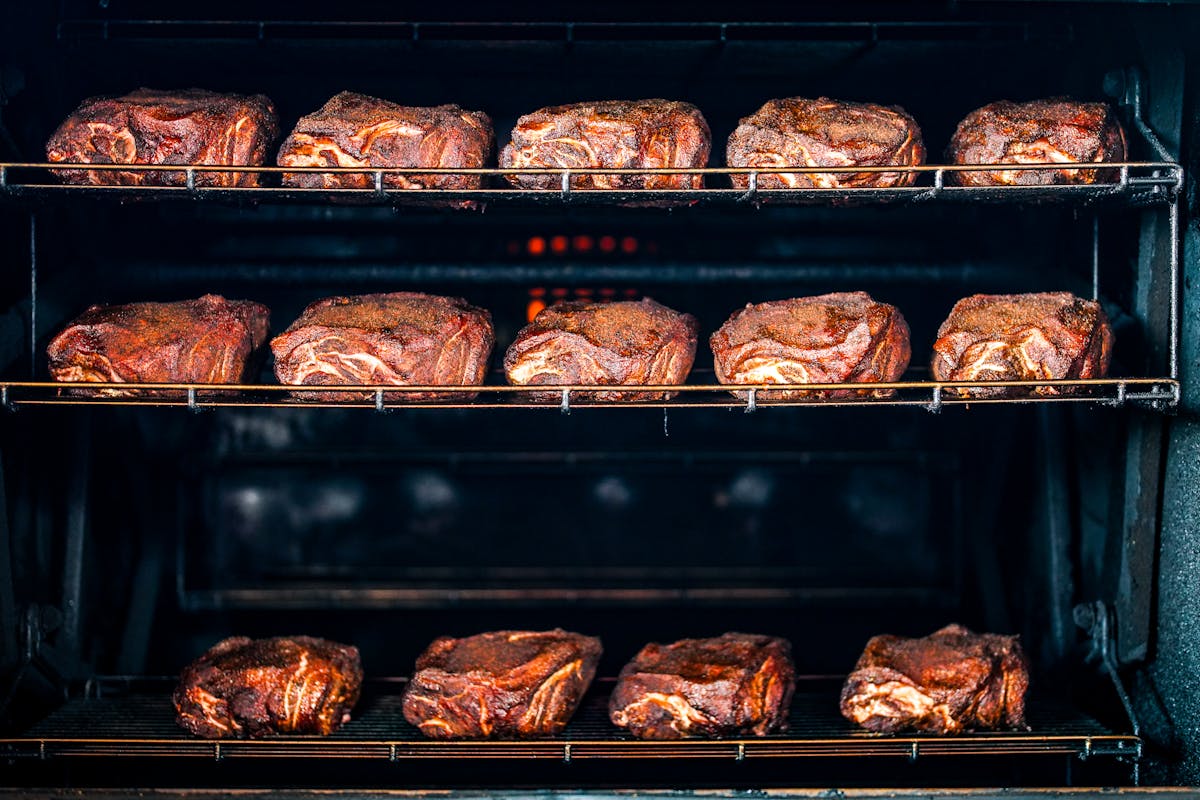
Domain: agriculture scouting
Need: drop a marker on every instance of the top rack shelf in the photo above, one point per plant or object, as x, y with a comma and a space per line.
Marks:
1136, 183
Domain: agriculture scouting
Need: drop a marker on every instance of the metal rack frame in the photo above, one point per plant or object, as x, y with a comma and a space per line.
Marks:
566, 33
1138, 183
1154, 393
142, 724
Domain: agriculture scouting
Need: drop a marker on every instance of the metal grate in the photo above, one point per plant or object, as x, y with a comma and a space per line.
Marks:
258, 31
142, 724
1138, 183
1156, 393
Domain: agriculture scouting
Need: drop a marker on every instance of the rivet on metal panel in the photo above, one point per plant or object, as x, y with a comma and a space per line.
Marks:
379, 400
566, 185
741, 752
566, 754
565, 405
914, 752
751, 401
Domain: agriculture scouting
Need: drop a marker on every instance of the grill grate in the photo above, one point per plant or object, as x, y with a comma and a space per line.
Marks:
142, 724
1138, 183
1155, 393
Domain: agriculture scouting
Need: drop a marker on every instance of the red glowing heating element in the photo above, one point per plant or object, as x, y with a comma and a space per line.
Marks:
538, 297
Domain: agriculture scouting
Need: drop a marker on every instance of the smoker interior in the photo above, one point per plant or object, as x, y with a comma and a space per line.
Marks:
137, 537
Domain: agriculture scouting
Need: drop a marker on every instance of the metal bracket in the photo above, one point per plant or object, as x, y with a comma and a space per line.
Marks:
1125, 86
1096, 619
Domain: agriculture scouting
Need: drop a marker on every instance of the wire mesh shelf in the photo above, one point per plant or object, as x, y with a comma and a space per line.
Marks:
1159, 394
140, 722
1134, 183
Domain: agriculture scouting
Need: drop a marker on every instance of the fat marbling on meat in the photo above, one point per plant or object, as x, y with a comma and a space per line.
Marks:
246, 688
146, 127
355, 130
588, 343
617, 134
1054, 131
398, 339
948, 682
206, 340
845, 337
503, 684
732, 684
798, 132
1022, 337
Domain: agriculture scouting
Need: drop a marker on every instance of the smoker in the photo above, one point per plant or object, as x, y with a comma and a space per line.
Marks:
137, 530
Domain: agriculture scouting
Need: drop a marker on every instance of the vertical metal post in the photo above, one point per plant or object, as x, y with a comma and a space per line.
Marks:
33, 298
1173, 260
8, 602
77, 525
1096, 257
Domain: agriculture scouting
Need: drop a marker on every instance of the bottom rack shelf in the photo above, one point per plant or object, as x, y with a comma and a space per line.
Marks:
141, 723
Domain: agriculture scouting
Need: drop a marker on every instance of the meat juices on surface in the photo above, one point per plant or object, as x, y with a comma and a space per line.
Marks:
733, 684
948, 682
616, 134
583, 343
1053, 131
258, 687
500, 685
844, 337
354, 130
207, 340
188, 127
1022, 337
798, 132
398, 339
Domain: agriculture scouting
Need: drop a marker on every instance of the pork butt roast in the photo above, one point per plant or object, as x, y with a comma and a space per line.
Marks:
1054, 131
948, 682
798, 132
188, 127
207, 340
504, 684
397, 339
596, 344
627, 134
258, 687
733, 684
845, 337
1022, 337
354, 130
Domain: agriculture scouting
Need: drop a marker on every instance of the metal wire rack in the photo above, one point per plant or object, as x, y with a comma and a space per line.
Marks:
1134, 183
1155, 393
141, 723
